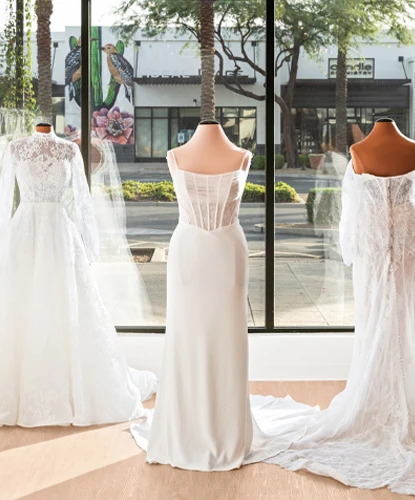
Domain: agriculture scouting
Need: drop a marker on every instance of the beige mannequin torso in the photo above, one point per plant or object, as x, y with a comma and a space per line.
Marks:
385, 152
209, 151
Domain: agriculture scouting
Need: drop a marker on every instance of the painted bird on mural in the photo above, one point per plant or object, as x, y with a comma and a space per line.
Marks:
73, 67
120, 69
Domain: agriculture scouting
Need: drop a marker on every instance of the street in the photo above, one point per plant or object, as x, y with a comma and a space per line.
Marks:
158, 172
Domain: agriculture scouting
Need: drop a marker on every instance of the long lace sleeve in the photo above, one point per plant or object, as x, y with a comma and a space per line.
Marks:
7, 188
83, 209
348, 220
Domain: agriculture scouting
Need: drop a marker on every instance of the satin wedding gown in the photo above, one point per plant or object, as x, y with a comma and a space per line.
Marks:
366, 437
203, 417
62, 362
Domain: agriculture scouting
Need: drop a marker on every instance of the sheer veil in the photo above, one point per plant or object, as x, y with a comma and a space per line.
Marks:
120, 282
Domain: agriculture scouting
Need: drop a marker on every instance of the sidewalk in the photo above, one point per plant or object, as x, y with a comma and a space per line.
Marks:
309, 292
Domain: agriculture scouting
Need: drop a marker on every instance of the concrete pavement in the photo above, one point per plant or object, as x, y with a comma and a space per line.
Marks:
312, 286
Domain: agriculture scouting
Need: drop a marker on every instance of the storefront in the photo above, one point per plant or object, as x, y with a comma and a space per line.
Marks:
314, 109
158, 129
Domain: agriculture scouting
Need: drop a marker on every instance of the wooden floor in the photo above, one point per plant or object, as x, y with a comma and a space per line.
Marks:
104, 463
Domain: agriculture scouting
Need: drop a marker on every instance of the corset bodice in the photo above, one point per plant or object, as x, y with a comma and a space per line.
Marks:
209, 201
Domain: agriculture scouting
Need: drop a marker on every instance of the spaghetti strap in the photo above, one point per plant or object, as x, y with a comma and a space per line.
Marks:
246, 155
173, 167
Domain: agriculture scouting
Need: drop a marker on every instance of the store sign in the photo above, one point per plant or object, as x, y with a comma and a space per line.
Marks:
356, 68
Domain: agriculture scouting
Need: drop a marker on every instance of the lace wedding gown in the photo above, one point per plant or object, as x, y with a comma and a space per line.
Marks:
62, 362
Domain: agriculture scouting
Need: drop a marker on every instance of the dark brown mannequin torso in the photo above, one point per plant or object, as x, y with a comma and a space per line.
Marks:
385, 152
44, 128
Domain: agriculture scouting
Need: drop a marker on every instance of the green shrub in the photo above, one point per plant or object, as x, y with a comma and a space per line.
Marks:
258, 162
156, 191
324, 206
284, 193
253, 193
164, 191
129, 189
279, 161
304, 161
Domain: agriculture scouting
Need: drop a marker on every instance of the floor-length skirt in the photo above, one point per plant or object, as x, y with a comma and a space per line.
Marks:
62, 362
202, 416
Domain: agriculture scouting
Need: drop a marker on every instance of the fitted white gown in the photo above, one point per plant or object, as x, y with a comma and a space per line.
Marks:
366, 437
61, 360
203, 416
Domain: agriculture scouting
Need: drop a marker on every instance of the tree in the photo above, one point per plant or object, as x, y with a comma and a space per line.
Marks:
207, 50
16, 86
350, 22
44, 9
298, 26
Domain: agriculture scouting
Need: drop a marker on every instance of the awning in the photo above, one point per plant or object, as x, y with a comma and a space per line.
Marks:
192, 80
366, 93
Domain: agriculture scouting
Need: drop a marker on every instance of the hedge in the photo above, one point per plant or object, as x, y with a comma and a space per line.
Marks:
284, 193
324, 206
258, 162
304, 161
164, 191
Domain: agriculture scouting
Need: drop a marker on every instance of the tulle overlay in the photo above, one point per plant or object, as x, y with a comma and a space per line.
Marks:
62, 361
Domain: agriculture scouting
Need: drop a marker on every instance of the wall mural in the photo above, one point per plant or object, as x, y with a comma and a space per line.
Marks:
112, 86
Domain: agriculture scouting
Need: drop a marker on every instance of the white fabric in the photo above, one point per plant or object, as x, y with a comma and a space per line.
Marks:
204, 418
202, 421
366, 437
119, 280
62, 361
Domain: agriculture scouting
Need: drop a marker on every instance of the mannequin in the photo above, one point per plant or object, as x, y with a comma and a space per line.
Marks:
209, 151
44, 127
385, 152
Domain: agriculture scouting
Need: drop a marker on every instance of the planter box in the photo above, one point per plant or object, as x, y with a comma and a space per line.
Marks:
316, 161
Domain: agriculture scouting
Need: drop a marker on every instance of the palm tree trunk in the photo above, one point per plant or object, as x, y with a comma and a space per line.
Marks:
44, 9
341, 101
290, 136
19, 47
207, 46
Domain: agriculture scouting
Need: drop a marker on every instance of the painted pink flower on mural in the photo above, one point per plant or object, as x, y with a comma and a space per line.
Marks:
113, 125
72, 134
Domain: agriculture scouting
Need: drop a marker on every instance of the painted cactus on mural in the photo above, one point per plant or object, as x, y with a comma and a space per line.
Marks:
112, 117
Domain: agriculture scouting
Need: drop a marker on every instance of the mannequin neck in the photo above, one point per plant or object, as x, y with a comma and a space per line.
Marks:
43, 128
386, 129
210, 134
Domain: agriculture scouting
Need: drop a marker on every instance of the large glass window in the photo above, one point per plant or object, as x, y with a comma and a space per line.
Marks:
331, 108
165, 104
145, 97
180, 124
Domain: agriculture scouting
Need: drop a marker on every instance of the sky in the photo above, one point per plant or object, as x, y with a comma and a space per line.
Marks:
68, 13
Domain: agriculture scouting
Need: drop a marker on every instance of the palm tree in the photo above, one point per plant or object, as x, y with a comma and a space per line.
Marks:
341, 99
44, 9
207, 48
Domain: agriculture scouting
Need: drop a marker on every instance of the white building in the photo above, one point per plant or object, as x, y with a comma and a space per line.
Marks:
166, 99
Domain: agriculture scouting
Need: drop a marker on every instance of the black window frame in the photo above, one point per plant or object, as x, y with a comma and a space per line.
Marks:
269, 325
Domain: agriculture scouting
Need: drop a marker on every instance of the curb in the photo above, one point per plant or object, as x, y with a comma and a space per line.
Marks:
307, 231
309, 177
